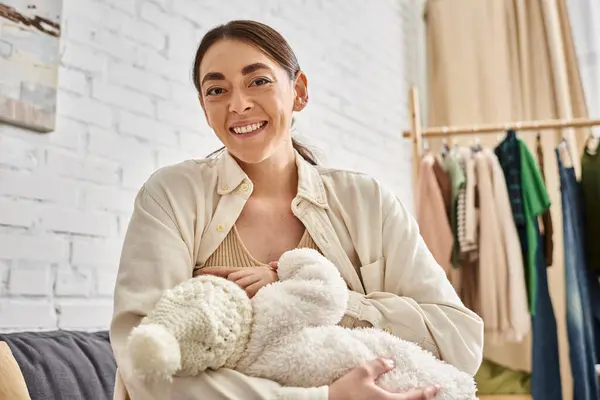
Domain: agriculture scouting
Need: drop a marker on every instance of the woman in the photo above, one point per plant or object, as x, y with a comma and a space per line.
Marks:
237, 211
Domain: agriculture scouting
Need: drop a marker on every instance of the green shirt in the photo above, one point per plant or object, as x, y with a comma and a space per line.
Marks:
535, 202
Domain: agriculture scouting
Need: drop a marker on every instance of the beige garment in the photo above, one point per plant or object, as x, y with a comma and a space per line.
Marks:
516, 296
493, 273
183, 213
431, 214
233, 253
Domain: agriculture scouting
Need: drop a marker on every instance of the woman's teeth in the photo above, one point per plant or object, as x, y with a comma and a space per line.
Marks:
248, 128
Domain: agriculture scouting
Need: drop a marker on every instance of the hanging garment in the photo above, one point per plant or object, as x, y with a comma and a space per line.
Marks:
493, 274
467, 215
452, 166
579, 315
431, 214
545, 379
496, 379
445, 184
518, 312
509, 156
590, 186
546, 226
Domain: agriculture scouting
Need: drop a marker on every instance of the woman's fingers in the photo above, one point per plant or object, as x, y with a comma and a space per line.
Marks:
419, 394
246, 281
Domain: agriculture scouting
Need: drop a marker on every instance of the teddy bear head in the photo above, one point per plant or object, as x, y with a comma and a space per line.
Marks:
202, 323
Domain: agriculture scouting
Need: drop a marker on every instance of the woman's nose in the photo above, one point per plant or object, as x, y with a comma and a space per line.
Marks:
240, 103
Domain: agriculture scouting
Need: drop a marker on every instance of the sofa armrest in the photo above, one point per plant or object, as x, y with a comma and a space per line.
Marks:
12, 382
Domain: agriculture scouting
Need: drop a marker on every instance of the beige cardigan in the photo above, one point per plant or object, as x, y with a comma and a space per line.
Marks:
183, 213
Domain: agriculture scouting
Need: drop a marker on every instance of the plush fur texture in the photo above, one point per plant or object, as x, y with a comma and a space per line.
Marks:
293, 337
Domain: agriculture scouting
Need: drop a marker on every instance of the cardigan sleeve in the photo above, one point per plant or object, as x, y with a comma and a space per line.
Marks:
417, 301
154, 258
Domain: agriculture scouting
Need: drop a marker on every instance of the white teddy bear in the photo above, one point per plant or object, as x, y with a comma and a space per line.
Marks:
286, 333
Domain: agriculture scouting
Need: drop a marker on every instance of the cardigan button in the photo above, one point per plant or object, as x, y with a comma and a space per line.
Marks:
245, 187
388, 329
220, 227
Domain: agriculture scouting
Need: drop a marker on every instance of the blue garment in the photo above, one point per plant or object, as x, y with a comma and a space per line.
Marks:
579, 311
545, 373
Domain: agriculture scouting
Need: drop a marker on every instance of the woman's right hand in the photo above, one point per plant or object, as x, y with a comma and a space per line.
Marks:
359, 384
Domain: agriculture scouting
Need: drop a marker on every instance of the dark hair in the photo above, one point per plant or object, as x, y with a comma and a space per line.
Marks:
266, 39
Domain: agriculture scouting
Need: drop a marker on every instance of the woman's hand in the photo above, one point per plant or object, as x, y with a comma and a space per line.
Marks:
359, 384
251, 279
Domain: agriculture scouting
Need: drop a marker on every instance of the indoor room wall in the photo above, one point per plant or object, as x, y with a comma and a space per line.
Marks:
127, 106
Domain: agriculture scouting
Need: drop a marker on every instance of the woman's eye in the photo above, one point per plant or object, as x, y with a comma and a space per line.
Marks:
215, 91
261, 81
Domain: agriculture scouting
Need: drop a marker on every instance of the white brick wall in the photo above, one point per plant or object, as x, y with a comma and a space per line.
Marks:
585, 22
127, 106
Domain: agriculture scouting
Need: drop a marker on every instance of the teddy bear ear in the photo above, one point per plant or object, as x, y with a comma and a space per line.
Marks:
154, 352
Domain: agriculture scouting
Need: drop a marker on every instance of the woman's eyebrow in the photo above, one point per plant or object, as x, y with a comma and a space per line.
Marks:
248, 69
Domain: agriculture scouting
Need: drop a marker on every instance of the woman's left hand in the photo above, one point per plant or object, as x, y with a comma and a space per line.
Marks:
251, 279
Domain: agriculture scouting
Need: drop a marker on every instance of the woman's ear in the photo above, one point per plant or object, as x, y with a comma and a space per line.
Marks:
301, 91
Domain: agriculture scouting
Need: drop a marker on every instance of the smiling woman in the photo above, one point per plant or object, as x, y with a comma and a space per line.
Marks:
236, 213
275, 71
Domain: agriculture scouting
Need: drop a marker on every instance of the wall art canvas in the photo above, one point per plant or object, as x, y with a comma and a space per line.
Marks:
29, 60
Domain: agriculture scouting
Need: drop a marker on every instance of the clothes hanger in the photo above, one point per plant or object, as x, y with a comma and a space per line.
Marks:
477, 145
445, 149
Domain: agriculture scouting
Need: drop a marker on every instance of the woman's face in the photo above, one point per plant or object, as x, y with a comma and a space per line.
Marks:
248, 100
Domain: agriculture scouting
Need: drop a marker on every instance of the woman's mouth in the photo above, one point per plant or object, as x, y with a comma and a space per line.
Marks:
248, 130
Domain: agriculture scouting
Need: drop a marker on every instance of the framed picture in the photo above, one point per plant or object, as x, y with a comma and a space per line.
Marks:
29, 60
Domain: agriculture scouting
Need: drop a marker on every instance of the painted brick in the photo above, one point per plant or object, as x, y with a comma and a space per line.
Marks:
80, 167
25, 247
138, 79
147, 129
64, 220
39, 186
19, 213
122, 97
96, 252
105, 284
84, 109
73, 81
4, 268
27, 314
84, 314
76, 282
68, 134
113, 146
18, 153
83, 58
30, 279
107, 198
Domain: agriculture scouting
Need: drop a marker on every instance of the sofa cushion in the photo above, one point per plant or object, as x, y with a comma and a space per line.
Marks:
64, 365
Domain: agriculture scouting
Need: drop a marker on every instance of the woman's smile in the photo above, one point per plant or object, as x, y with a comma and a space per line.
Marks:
246, 130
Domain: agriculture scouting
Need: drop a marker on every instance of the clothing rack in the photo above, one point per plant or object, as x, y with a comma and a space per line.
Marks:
418, 134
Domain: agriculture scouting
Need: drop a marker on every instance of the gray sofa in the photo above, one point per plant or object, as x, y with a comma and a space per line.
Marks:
64, 365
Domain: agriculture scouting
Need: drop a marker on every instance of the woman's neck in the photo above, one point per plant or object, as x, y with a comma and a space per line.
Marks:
276, 176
